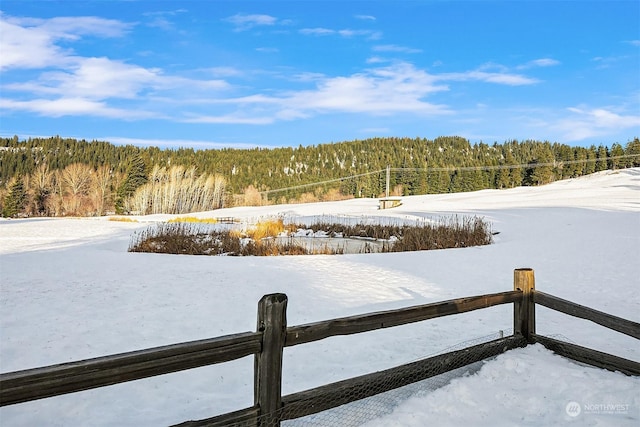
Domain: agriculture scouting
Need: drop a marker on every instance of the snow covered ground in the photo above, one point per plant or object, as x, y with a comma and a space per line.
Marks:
69, 290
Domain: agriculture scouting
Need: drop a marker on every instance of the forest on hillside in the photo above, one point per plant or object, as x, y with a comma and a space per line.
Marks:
63, 176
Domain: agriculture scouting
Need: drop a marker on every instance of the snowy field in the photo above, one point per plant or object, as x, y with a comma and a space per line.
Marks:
70, 291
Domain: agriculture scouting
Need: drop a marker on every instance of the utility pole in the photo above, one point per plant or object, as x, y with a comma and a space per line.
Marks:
388, 177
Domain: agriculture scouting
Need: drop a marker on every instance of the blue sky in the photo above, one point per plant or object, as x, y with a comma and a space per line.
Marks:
210, 74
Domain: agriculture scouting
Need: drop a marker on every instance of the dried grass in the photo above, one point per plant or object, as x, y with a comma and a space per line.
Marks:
194, 239
122, 219
264, 229
193, 219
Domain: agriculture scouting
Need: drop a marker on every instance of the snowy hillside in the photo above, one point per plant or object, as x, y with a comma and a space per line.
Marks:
70, 290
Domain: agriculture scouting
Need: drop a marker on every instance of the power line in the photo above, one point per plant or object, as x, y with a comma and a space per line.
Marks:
322, 182
555, 163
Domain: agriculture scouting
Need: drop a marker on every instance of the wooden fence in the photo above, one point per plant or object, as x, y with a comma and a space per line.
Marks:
272, 335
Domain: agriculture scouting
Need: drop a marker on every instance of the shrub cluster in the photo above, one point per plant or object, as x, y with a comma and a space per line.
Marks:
196, 239
452, 232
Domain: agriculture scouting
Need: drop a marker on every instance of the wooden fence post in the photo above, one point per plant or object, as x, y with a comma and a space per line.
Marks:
524, 313
272, 322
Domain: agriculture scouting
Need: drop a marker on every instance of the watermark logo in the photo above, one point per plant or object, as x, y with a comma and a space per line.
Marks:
573, 409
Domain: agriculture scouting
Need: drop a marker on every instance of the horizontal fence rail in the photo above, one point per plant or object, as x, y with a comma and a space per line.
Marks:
272, 336
386, 319
247, 417
610, 321
589, 356
38, 383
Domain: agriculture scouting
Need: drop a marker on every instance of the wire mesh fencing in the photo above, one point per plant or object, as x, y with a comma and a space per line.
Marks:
367, 409
356, 401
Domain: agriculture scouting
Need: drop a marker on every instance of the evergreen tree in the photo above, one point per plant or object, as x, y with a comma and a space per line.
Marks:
541, 170
616, 161
16, 200
602, 155
633, 149
136, 177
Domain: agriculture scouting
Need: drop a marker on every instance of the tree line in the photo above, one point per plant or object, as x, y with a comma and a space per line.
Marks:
64, 176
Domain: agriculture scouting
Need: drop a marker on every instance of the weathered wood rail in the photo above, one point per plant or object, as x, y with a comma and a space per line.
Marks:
272, 336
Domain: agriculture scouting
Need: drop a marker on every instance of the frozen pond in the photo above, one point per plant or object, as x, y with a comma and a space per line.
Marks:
339, 244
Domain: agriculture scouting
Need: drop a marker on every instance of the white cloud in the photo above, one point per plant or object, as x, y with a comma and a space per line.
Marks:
493, 67
399, 88
366, 17
75, 27
162, 23
69, 106
352, 33
376, 60
267, 49
246, 22
26, 48
542, 62
387, 90
316, 31
31, 43
608, 61
102, 78
395, 48
319, 31
498, 78
585, 123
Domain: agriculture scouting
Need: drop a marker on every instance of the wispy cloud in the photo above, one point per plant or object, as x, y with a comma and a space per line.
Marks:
166, 12
387, 90
366, 17
246, 22
584, 122
267, 49
504, 78
320, 31
163, 19
376, 60
395, 48
397, 89
71, 106
542, 62
352, 33
103, 78
608, 61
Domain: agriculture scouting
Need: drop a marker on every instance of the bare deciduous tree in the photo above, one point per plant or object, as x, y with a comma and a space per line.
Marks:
177, 190
40, 188
101, 188
76, 181
252, 196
